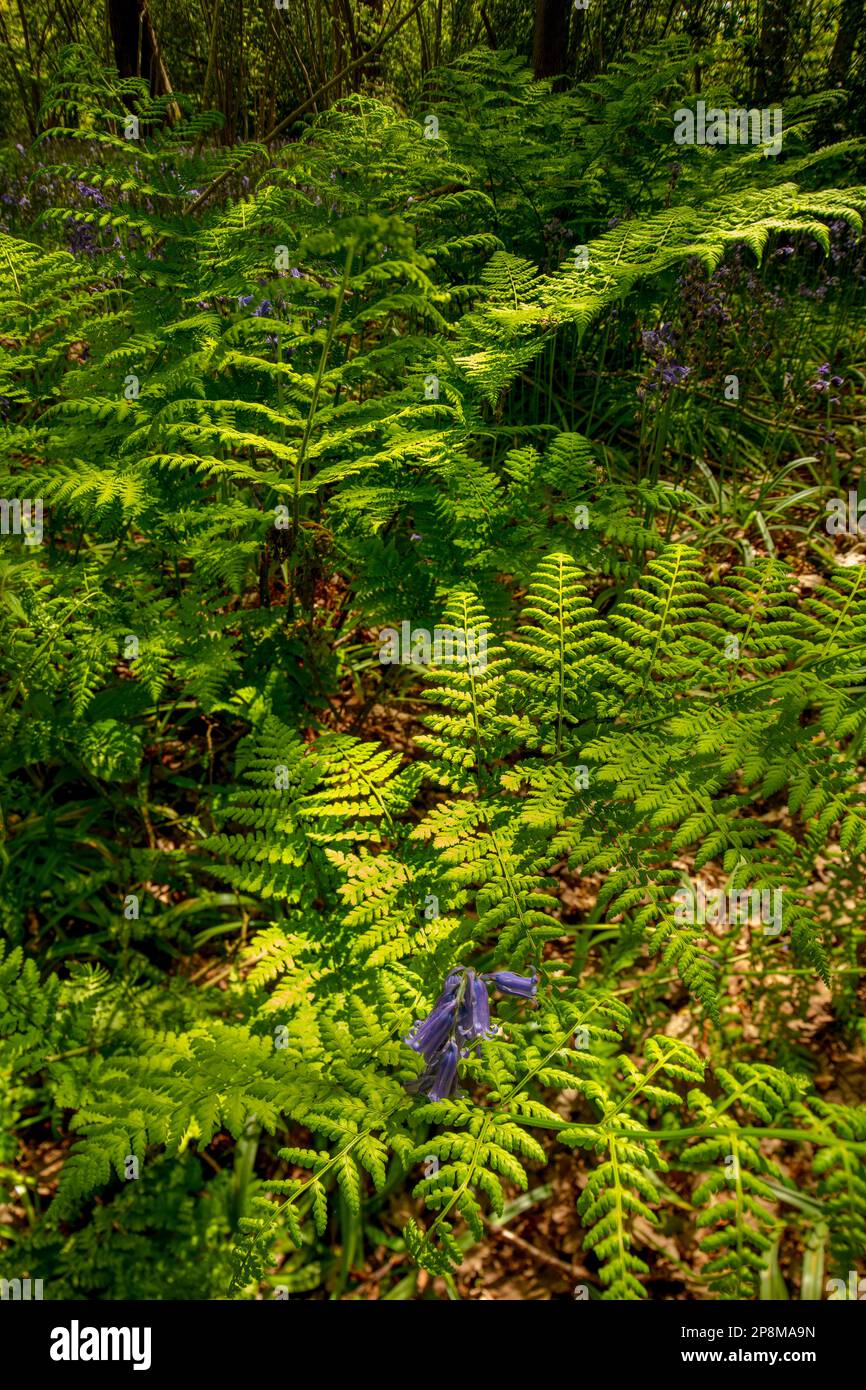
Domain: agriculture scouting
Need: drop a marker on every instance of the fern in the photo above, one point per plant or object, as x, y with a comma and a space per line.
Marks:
377, 384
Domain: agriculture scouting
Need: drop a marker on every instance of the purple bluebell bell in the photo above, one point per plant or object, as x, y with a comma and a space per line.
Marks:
438, 1080
473, 1018
445, 1080
244, 300
524, 986
429, 1035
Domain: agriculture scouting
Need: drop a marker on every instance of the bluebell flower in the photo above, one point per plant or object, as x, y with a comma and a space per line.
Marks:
473, 1019
429, 1035
671, 373
825, 381
93, 195
439, 1078
81, 236
245, 299
459, 1020
524, 986
656, 341
263, 310
445, 1079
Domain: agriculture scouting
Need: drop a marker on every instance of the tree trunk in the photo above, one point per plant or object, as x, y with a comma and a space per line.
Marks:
550, 37
847, 34
771, 56
367, 73
136, 51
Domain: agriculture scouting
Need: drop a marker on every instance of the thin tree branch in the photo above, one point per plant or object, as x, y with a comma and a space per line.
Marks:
289, 120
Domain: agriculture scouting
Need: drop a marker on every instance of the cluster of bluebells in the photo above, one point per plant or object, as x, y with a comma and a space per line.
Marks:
732, 294
848, 249
91, 194
733, 298
825, 382
847, 254
81, 236
16, 199
458, 1021
261, 311
266, 310
659, 345
706, 299
81, 233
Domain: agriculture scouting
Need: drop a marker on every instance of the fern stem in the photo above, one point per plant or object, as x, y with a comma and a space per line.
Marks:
317, 387
798, 1136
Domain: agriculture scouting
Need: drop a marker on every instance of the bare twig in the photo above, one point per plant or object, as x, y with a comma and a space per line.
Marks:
311, 100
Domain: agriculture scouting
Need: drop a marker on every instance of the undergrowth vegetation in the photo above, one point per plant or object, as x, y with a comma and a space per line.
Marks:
578, 397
